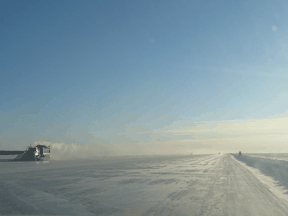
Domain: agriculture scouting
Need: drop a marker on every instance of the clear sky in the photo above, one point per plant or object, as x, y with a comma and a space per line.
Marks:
137, 76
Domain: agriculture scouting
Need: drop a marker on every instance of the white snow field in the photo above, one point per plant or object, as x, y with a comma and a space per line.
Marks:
148, 185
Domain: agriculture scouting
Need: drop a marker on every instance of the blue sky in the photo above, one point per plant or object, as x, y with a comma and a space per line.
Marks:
118, 72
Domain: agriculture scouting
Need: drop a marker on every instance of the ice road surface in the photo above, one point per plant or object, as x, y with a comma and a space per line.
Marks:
159, 185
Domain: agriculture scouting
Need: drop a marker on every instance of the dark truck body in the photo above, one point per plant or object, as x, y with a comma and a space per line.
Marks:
37, 153
11, 152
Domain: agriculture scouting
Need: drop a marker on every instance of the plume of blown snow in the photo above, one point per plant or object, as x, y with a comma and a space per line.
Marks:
63, 151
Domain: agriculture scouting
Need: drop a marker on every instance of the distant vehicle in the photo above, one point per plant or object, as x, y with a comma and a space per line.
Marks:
37, 153
240, 154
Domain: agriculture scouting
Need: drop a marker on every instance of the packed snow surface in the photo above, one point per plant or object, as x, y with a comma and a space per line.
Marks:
160, 185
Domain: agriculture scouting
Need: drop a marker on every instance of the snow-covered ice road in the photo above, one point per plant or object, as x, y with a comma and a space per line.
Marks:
162, 185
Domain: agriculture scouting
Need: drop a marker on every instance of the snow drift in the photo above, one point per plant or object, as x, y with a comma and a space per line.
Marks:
274, 168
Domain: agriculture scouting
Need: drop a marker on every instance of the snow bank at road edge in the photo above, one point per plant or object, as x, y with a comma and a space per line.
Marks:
269, 182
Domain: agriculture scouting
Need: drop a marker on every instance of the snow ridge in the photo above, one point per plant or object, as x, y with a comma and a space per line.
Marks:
271, 172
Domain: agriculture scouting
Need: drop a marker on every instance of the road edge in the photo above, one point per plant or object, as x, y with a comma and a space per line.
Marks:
268, 181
